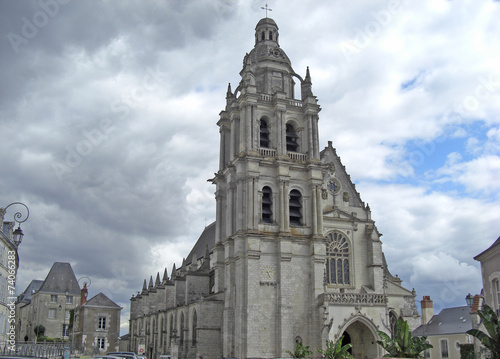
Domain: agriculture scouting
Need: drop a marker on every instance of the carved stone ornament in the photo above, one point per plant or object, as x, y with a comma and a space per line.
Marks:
276, 52
333, 185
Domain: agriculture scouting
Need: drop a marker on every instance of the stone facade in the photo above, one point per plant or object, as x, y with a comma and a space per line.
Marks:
49, 304
490, 271
294, 254
9, 263
97, 326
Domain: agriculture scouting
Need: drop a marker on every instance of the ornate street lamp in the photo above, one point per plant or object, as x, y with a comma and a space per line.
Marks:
18, 234
470, 300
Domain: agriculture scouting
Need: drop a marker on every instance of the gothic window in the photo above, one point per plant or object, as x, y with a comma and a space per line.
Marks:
291, 139
171, 330
181, 329
195, 324
267, 205
264, 134
295, 207
337, 263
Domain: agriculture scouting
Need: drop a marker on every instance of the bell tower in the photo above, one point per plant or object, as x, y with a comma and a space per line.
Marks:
269, 252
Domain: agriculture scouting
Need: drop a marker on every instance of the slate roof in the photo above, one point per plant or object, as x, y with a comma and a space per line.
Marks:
207, 238
100, 300
34, 286
455, 320
61, 279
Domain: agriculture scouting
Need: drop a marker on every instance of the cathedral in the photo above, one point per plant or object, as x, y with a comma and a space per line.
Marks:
293, 256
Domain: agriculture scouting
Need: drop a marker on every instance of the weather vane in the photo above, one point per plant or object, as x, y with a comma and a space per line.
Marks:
266, 8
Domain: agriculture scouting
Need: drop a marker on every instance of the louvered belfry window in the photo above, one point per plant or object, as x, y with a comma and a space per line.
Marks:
264, 135
291, 139
267, 205
295, 207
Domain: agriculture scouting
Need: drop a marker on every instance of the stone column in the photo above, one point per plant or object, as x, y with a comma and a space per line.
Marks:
314, 209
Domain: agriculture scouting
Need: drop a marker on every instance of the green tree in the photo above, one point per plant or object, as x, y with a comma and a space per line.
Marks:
403, 345
336, 350
490, 322
39, 331
300, 351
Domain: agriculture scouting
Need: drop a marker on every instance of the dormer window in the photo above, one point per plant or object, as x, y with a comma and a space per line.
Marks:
264, 134
291, 139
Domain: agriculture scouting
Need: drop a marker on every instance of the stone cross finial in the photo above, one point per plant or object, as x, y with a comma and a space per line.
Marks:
266, 8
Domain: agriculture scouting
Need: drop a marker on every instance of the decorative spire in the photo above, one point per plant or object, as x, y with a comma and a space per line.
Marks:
206, 260
151, 282
306, 85
165, 276
174, 272
308, 76
194, 263
183, 266
144, 287
157, 283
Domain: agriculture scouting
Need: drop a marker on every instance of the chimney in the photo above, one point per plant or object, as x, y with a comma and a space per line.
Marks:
83, 294
427, 309
477, 303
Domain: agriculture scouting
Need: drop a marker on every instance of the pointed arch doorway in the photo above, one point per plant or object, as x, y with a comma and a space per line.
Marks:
362, 338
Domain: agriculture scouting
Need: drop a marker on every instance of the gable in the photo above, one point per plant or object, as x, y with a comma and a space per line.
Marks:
100, 300
338, 177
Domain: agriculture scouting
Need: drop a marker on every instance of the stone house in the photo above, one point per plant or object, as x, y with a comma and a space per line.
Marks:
97, 325
293, 256
445, 331
50, 304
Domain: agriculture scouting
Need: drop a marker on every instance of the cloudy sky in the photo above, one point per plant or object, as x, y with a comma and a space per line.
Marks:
108, 131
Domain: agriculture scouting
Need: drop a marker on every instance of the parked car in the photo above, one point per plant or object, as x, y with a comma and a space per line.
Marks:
106, 357
126, 355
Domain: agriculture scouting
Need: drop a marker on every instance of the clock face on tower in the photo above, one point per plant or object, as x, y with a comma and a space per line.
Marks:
267, 272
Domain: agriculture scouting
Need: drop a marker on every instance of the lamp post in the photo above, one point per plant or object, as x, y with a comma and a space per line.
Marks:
18, 234
469, 299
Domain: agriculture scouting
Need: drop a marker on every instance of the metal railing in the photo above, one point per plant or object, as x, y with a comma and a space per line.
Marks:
38, 350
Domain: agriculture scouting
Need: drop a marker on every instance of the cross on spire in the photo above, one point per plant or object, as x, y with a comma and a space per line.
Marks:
266, 8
